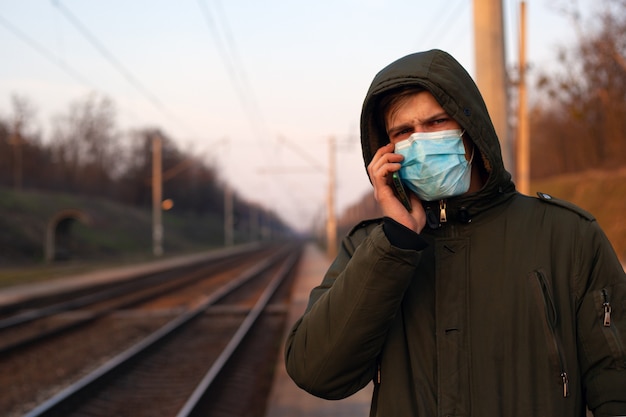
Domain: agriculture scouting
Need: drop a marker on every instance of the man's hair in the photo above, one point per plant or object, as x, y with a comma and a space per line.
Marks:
389, 101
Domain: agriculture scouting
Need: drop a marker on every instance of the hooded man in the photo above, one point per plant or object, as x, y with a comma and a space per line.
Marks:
469, 299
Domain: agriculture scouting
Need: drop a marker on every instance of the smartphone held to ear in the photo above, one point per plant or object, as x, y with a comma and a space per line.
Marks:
400, 192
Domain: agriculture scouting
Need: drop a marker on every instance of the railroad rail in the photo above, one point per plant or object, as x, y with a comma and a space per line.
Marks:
185, 337
50, 301
31, 320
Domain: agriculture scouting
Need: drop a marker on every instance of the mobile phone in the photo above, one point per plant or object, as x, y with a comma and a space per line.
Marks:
400, 193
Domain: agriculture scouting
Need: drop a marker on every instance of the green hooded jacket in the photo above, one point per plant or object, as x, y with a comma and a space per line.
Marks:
508, 305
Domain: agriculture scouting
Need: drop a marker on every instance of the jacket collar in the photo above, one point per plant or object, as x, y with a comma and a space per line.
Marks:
467, 208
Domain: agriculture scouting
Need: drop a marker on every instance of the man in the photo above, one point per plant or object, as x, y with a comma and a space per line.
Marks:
471, 299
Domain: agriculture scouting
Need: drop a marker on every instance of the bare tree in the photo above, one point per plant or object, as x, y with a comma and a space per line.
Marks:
581, 122
85, 145
20, 150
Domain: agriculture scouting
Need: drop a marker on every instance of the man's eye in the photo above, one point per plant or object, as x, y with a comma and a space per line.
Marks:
402, 135
439, 121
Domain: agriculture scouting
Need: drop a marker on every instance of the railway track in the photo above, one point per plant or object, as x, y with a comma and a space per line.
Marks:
160, 352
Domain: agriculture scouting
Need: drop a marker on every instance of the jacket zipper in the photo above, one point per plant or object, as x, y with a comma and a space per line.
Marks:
442, 211
551, 320
607, 308
611, 332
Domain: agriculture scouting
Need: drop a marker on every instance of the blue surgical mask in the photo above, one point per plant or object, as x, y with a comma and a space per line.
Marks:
434, 165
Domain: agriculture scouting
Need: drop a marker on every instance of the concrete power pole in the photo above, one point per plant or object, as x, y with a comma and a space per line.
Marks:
523, 146
15, 139
491, 68
157, 196
331, 222
229, 216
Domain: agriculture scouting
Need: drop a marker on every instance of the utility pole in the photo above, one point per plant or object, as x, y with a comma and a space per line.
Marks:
253, 224
15, 140
490, 68
331, 222
229, 216
523, 143
157, 196
229, 222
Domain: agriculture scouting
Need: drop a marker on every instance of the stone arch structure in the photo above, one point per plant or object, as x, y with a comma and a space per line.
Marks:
58, 231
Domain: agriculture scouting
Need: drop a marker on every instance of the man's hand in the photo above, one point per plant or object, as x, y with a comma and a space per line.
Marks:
383, 165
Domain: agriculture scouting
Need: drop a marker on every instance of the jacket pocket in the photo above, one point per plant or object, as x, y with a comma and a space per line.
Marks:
544, 298
604, 309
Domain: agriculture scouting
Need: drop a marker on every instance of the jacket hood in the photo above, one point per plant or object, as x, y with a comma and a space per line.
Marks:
439, 73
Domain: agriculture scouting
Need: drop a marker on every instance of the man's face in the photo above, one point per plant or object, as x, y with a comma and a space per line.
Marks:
419, 112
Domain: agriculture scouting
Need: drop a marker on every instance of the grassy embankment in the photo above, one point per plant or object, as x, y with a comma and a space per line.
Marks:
114, 235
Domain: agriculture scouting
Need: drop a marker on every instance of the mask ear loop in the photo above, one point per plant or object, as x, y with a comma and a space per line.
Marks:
473, 148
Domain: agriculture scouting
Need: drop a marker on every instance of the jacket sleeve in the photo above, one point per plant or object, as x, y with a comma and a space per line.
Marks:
332, 350
602, 325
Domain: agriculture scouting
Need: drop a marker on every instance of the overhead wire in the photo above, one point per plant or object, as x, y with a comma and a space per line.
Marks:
456, 27
234, 65
235, 68
244, 89
115, 62
245, 81
52, 58
432, 35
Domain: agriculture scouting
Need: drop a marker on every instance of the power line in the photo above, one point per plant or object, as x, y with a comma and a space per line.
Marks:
45, 53
303, 154
429, 35
226, 58
235, 68
236, 71
456, 27
116, 63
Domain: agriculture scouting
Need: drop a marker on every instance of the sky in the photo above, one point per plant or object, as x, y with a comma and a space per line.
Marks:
256, 87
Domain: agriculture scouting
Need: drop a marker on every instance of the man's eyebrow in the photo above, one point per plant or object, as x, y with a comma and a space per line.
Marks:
399, 128
402, 126
437, 116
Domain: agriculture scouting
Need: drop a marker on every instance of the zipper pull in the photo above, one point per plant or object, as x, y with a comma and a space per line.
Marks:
607, 309
378, 375
565, 379
442, 211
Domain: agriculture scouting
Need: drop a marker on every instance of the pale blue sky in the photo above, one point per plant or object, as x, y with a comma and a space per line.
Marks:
277, 79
